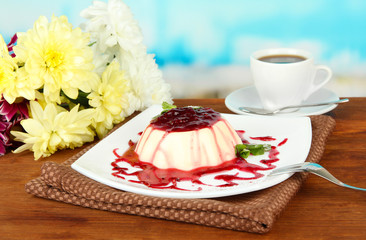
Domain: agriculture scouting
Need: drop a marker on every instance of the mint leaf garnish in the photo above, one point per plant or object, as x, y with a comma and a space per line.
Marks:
168, 106
244, 150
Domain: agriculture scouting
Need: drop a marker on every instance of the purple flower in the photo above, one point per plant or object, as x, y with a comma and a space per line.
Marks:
11, 110
10, 117
5, 127
11, 114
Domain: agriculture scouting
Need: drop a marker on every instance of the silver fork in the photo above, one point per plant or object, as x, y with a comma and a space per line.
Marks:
312, 168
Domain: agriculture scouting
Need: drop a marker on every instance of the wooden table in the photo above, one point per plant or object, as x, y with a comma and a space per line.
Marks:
321, 210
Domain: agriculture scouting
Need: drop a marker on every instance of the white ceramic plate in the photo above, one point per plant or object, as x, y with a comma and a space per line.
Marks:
249, 97
96, 163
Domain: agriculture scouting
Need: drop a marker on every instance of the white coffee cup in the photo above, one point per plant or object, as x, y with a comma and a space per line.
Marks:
282, 81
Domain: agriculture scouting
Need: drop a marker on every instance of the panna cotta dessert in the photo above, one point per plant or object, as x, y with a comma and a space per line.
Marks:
184, 144
187, 138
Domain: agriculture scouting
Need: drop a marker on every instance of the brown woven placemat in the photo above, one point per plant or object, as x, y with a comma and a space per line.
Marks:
251, 212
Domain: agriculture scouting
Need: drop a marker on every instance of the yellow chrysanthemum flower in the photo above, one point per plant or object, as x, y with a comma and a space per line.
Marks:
54, 128
13, 82
108, 98
58, 56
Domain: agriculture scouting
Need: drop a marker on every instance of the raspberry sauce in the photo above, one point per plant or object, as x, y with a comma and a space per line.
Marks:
266, 138
186, 119
151, 176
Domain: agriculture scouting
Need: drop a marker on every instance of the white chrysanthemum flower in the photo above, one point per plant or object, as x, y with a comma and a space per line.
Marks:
117, 36
146, 82
100, 60
110, 24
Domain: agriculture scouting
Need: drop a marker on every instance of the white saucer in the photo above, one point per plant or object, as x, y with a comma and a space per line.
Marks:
249, 97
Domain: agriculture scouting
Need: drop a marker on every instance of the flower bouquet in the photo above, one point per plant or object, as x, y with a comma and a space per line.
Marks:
62, 86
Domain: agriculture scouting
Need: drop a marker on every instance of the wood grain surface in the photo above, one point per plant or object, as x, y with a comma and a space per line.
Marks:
321, 210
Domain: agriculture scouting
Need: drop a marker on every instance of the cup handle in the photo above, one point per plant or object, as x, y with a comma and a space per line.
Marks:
316, 86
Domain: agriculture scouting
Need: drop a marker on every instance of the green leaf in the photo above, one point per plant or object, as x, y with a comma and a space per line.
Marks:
244, 150
168, 106
244, 153
239, 148
256, 149
81, 99
92, 43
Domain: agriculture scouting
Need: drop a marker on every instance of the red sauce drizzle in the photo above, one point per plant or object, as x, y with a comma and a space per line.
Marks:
272, 157
154, 177
266, 138
241, 135
283, 142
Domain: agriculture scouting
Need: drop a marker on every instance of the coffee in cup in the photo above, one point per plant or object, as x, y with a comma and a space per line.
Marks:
285, 76
282, 59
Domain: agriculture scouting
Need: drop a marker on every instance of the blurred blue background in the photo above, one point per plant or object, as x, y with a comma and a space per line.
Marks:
203, 47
